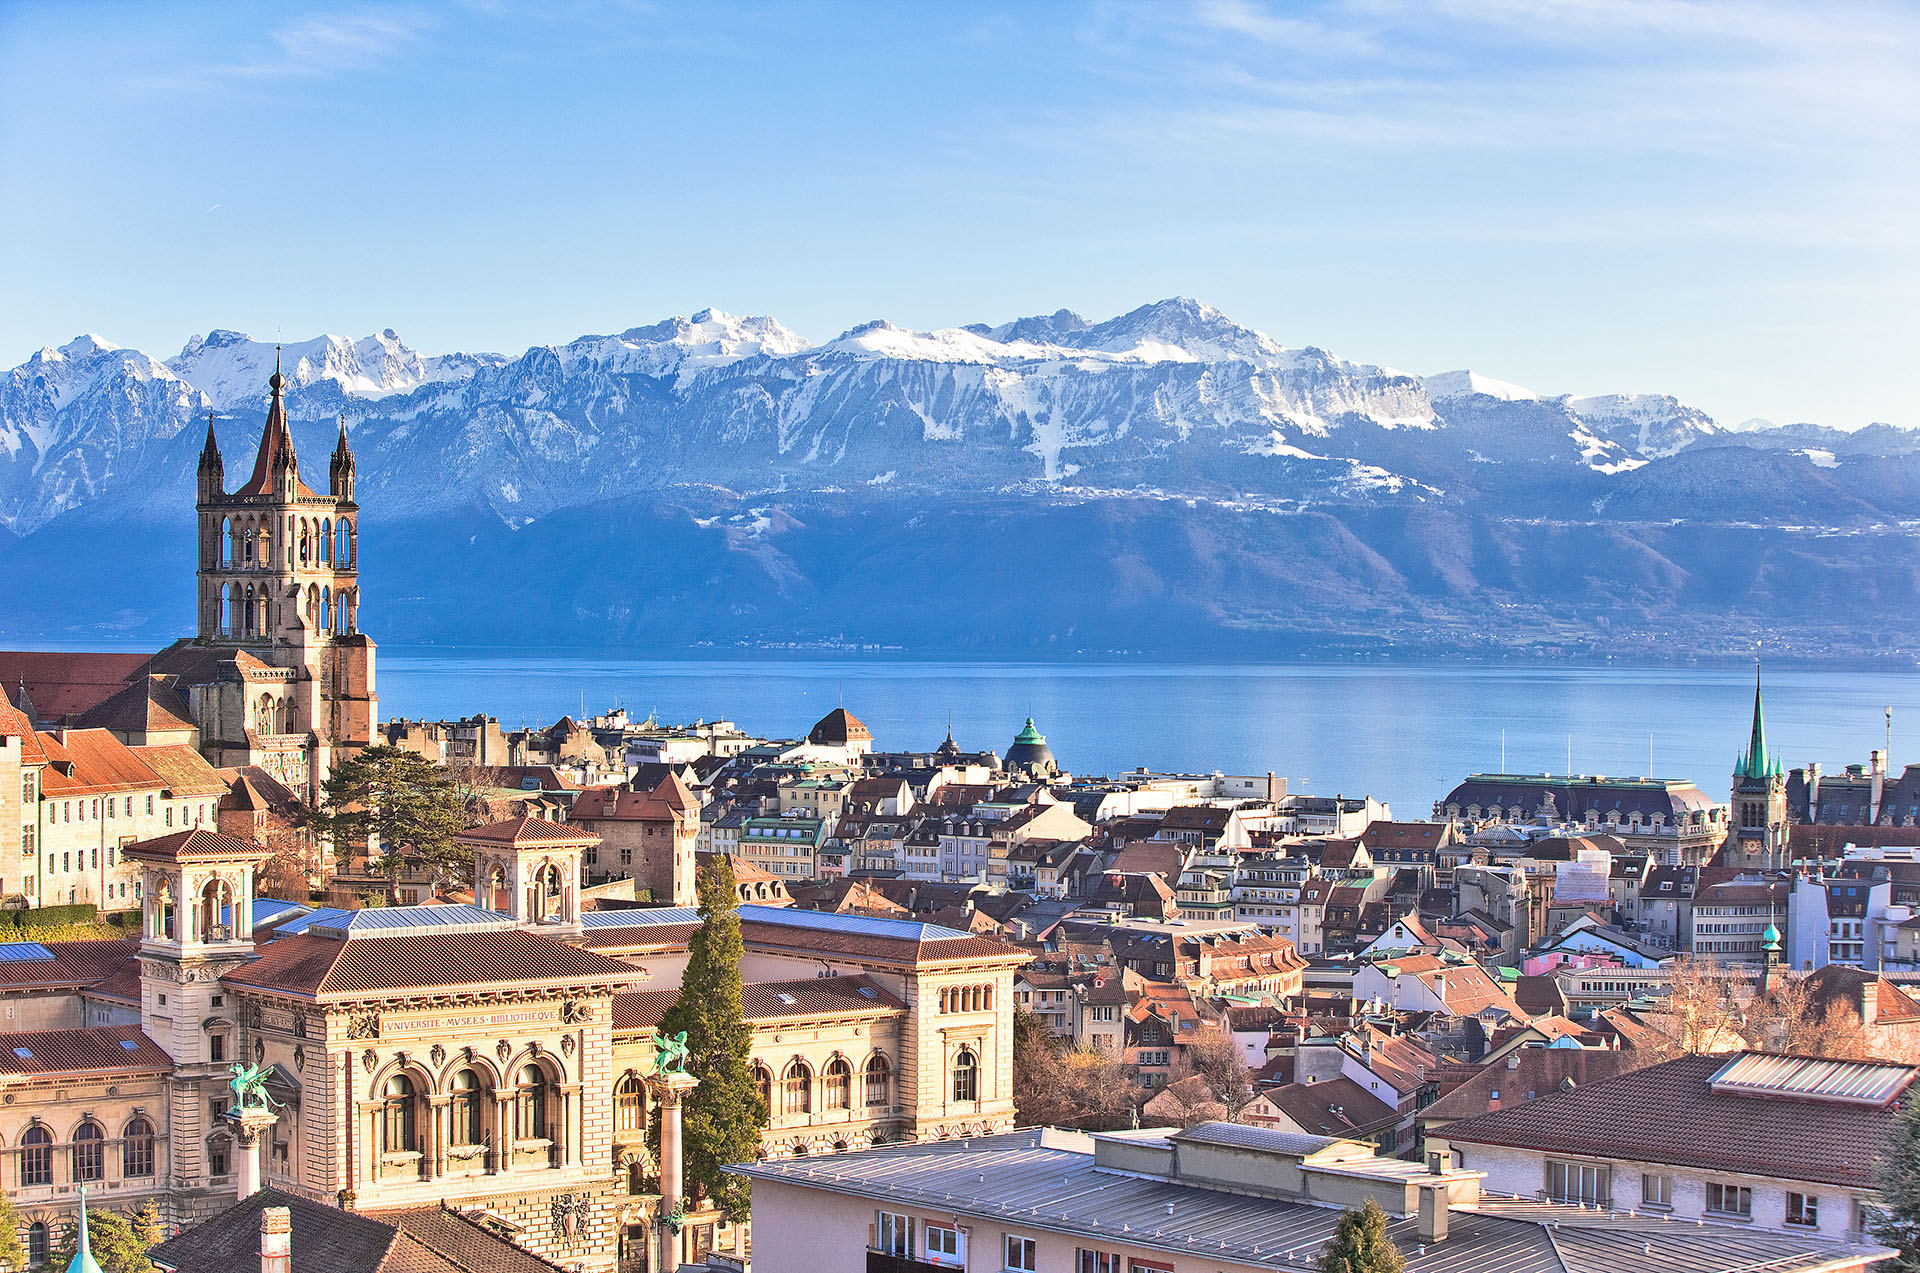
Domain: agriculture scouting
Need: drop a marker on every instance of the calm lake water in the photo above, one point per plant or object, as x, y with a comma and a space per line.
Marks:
1405, 734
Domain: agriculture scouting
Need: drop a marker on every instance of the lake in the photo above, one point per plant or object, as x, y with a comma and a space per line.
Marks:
1402, 733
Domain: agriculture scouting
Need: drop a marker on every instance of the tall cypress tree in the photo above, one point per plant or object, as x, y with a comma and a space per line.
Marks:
722, 1117
1897, 1220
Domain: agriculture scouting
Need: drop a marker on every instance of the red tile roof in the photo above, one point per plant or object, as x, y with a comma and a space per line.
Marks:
100, 763
149, 703
1332, 1107
323, 968
62, 684
529, 830
100, 1050
846, 996
75, 964
1670, 1114
197, 843
184, 770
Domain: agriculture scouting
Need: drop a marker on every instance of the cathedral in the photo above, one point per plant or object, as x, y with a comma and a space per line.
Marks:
278, 677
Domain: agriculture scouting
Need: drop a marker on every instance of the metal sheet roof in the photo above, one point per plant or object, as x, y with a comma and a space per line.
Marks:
861, 925
640, 917
16, 952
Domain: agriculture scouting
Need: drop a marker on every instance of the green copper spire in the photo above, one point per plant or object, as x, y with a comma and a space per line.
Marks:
1028, 734
1754, 764
83, 1261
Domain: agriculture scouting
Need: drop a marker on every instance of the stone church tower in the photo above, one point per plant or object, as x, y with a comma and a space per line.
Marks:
279, 597
1759, 800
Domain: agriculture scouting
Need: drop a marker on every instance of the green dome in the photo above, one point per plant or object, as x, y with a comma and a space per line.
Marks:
1028, 734
1771, 937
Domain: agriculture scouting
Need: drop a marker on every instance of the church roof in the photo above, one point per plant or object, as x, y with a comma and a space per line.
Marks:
838, 728
769, 1001
323, 968
148, 703
184, 770
528, 830
1754, 762
65, 683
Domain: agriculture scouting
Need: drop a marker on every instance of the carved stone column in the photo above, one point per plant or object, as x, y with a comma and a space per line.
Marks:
668, 1091
247, 1125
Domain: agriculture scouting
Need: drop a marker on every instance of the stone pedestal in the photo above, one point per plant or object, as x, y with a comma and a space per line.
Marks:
247, 1125
667, 1091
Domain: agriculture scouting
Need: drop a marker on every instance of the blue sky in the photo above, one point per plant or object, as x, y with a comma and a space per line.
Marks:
1714, 200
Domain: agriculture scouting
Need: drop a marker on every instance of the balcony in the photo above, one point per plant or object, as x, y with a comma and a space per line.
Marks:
881, 1262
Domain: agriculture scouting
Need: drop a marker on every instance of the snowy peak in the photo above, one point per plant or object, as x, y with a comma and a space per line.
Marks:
232, 368
1178, 330
1653, 425
711, 338
1450, 386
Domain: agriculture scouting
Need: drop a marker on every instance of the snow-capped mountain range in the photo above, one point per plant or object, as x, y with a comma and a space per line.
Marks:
1173, 397
1166, 477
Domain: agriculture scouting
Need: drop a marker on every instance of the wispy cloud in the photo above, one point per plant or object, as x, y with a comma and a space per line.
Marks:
312, 47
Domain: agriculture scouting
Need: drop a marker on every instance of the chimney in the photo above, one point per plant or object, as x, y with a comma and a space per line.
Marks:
1433, 1215
1869, 1000
276, 1240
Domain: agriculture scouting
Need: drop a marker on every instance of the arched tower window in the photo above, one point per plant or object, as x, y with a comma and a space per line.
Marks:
966, 1075
306, 543
343, 544
89, 1153
326, 609
546, 893
216, 911
226, 541
326, 541
226, 609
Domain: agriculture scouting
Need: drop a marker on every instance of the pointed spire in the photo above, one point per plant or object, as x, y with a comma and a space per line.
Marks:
340, 469
210, 450
1755, 763
276, 469
83, 1261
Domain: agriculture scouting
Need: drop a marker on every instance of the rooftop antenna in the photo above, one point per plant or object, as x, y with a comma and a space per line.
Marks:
1503, 751
1569, 755
1889, 735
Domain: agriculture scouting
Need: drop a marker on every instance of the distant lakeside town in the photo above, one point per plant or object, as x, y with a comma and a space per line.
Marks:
285, 977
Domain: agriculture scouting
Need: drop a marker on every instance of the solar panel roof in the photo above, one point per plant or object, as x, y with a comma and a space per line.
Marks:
20, 952
1808, 1078
864, 925
394, 921
640, 917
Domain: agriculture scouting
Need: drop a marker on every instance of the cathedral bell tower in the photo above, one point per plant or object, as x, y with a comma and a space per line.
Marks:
279, 581
1759, 800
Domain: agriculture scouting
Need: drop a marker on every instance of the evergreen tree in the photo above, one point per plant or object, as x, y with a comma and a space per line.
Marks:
722, 1118
1897, 1221
404, 799
13, 1252
1361, 1245
117, 1246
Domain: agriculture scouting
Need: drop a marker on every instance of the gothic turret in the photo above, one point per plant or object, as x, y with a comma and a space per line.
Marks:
1759, 800
340, 471
212, 472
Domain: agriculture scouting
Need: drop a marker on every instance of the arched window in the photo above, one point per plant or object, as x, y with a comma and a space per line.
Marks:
626, 1104
326, 609
879, 1081
89, 1153
36, 1244
226, 609
246, 618
343, 545
36, 1156
468, 1103
136, 1148
836, 1084
498, 897
536, 1104
216, 905
305, 544
797, 1089
966, 1075
546, 893
397, 1126
326, 541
